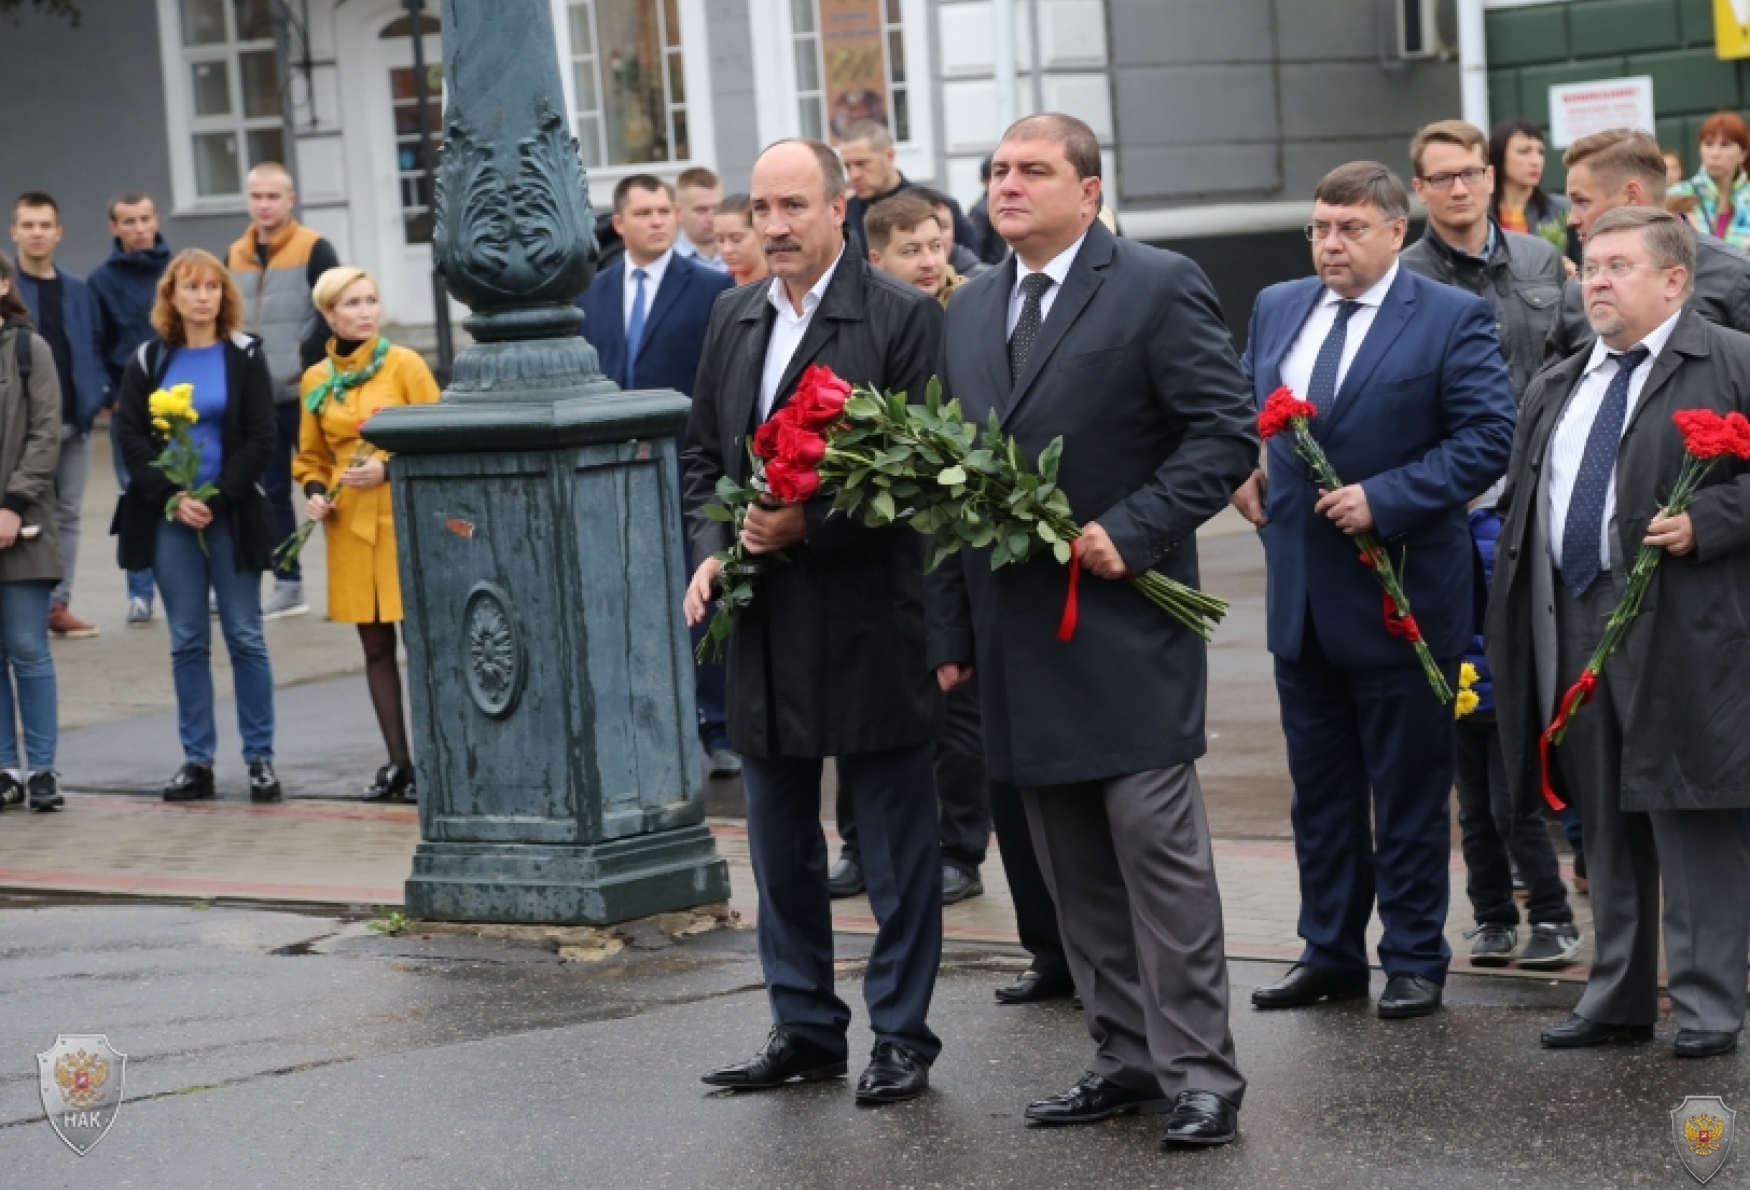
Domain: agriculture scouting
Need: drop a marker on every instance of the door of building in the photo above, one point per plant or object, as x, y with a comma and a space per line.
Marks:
404, 212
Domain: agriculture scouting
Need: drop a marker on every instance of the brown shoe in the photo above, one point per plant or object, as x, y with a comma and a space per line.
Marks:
64, 623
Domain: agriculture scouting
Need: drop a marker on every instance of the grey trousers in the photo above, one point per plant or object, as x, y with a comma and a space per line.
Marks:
1703, 855
71, 473
1130, 868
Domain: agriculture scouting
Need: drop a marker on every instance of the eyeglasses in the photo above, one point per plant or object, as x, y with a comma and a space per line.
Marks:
1618, 269
1472, 178
1351, 232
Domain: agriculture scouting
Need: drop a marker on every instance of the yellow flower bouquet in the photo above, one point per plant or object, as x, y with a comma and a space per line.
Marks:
173, 413
1467, 698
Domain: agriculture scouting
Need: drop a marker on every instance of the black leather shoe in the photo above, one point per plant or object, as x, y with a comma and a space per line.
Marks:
1095, 1098
1305, 986
957, 886
1201, 1118
846, 877
1033, 987
11, 791
192, 783
1579, 1033
1695, 1043
393, 783
1406, 996
45, 792
895, 1072
264, 784
786, 1058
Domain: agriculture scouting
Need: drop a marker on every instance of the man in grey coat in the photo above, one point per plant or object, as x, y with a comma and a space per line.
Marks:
1120, 349
1659, 756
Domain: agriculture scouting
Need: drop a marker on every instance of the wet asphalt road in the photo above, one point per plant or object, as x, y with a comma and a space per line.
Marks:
281, 1050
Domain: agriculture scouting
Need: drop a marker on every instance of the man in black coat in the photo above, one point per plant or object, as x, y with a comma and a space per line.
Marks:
829, 659
1121, 350
1658, 757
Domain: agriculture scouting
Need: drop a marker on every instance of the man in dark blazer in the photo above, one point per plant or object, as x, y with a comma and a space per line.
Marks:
1119, 349
1657, 759
829, 658
1416, 413
664, 300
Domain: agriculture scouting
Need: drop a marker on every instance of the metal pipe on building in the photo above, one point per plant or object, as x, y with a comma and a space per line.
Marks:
1473, 63
1003, 25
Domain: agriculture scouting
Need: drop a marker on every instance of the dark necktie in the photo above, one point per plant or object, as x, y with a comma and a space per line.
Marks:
1321, 390
635, 326
1033, 287
1581, 559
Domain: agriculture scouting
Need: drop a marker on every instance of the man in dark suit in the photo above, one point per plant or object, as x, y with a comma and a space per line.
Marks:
646, 315
1624, 167
1657, 758
872, 168
829, 658
1416, 413
1119, 349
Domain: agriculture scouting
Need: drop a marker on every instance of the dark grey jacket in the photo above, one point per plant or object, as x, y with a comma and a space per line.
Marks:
1134, 367
30, 448
829, 658
1521, 281
1685, 665
1722, 296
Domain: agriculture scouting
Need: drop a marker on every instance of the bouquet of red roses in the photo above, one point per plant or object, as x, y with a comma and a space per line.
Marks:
1708, 437
1283, 411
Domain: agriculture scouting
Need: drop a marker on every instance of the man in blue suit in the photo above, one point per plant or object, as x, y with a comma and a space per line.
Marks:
646, 316
1416, 411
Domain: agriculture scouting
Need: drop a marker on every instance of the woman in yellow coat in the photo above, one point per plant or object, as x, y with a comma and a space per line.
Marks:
346, 483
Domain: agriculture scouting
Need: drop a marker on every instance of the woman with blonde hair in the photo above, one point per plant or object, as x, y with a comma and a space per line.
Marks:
345, 481
221, 544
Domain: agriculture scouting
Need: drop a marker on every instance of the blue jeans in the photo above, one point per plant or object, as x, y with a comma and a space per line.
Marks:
24, 649
184, 576
139, 581
277, 483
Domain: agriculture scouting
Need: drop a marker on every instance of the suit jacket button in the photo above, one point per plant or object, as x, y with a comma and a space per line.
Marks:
1513, 553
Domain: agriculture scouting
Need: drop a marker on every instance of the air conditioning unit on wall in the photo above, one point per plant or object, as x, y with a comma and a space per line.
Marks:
1426, 28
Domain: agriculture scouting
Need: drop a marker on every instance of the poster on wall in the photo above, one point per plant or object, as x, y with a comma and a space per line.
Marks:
1578, 110
856, 71
1732, 28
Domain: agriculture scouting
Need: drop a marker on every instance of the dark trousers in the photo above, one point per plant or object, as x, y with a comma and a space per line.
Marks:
1697, 858
965, 817
710, 695
1370, 750
1490, 833
276, 482
1035, 912
894, 793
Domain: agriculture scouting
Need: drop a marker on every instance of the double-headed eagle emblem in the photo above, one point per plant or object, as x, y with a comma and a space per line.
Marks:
82, 1077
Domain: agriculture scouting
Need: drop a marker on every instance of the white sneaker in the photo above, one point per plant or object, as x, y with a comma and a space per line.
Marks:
287, 600
139, 613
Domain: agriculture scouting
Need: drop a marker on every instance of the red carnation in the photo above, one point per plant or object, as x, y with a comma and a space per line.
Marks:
790, 482
1739, 425
1281, 410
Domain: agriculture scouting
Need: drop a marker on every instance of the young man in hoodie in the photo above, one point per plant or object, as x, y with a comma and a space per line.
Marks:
276, 264
66, 316
125, 287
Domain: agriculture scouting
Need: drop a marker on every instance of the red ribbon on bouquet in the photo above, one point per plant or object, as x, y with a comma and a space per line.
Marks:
1577, 696
1066, 627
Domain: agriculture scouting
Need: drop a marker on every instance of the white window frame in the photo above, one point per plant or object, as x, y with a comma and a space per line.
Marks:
778, 97
182, 125
695, 52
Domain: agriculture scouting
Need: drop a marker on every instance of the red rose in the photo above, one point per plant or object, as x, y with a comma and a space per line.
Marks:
766, 439
791, 483
799, 445
1280, 412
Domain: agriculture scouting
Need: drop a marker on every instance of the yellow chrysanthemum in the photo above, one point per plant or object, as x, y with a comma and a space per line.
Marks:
175, 403
1466, 703
1467, 676
162, 423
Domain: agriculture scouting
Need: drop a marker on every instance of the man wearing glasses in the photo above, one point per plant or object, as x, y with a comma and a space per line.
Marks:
1416, 412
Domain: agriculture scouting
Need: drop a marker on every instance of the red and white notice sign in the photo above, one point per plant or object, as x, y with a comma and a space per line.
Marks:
1579, 109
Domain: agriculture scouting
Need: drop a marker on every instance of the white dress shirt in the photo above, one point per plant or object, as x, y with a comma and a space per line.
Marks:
787, 331
1297, 365
1568, 444
685, 247
1057, 270
653, 274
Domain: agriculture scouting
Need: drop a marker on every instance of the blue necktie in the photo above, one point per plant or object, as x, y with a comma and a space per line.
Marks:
1321, 390
635, 326
1581, 560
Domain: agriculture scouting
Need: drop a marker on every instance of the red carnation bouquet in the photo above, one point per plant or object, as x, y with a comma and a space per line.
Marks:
1284, 412
1708, 437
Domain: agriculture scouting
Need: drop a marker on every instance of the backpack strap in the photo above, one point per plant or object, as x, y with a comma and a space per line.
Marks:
21, 344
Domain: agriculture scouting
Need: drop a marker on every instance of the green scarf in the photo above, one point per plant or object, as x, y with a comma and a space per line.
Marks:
338, 382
